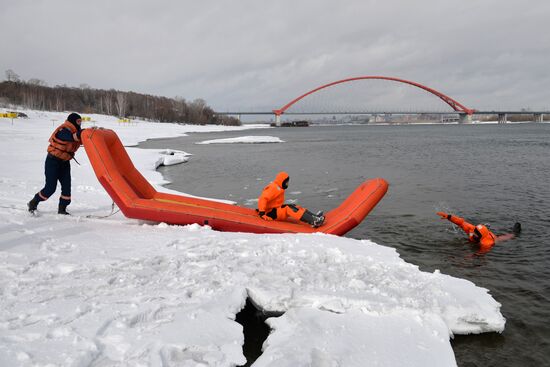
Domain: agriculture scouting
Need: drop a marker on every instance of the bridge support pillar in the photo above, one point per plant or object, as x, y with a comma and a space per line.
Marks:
278, 120
538, 117
464, 118
502, 118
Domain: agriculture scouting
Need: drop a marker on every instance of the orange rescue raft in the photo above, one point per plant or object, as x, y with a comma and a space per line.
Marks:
137, 199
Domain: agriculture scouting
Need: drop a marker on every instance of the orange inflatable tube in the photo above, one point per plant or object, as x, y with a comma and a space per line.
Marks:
137, 199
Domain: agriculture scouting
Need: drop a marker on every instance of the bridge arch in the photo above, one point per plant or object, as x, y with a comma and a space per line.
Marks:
455, 105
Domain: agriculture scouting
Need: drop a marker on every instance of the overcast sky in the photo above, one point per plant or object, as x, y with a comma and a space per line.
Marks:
258, 55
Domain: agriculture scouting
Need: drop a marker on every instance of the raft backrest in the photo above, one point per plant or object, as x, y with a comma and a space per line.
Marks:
118, 169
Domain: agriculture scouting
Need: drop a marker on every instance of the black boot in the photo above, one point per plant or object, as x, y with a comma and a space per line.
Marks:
33, 204
62, 209
312, 219
517, 228
319, 220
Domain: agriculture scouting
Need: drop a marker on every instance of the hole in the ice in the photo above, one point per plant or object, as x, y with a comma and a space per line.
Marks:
255, 330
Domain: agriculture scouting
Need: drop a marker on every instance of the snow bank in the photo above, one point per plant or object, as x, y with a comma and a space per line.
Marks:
244, 140
79, 291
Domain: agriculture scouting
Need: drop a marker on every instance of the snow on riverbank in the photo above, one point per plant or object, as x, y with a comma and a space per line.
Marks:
77, 291
244, 140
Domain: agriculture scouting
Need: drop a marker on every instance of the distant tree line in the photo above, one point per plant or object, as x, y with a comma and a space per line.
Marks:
35, 94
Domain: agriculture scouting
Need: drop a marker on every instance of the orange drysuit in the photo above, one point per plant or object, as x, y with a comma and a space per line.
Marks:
477, 234
271, 202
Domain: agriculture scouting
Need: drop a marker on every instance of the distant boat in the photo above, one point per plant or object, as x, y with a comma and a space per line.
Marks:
300, 123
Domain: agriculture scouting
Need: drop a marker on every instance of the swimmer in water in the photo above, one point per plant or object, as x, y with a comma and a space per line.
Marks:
480, 234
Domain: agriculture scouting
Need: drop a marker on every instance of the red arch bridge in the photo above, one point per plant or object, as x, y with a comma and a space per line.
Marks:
464, 113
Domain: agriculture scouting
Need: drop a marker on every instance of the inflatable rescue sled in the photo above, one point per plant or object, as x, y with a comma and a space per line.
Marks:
137, 199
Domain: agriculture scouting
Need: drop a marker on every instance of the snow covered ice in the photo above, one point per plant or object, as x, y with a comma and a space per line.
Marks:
244, 140
170, 157
77, 291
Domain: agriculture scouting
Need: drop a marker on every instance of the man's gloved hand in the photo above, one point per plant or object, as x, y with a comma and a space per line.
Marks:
443, 215
79, 133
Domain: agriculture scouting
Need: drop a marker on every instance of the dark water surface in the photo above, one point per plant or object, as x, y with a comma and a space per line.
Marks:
496, 174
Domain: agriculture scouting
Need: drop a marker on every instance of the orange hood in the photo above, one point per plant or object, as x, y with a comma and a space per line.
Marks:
483, 230
281, 177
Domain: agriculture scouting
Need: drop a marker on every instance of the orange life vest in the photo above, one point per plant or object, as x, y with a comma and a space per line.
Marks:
487, 237
273, 195
61, 149
478, 234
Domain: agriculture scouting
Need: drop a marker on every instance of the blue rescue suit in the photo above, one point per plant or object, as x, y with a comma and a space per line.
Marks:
64, 142
55, 170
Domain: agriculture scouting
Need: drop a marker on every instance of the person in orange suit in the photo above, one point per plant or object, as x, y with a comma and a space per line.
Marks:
271, 204
480, 234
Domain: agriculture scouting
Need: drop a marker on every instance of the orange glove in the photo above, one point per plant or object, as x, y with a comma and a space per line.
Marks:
443, 215
264, 217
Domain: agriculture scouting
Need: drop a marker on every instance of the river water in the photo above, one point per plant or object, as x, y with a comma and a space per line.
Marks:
496, 174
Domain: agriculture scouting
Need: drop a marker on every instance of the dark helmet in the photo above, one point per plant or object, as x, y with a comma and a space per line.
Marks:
73, 117
477, 235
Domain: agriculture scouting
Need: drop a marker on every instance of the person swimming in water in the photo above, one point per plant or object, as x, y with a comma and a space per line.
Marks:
480, 234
